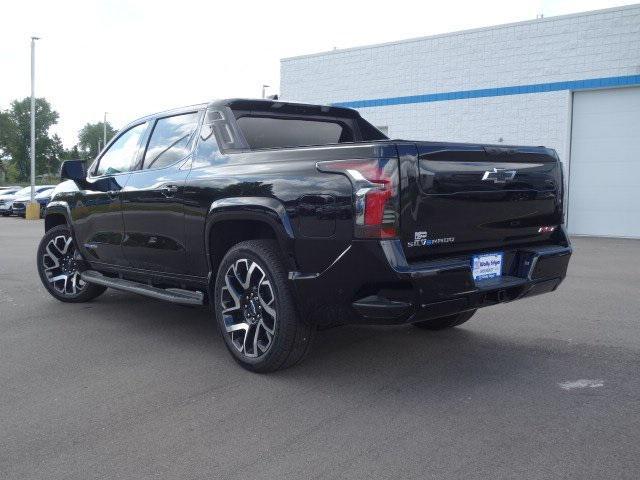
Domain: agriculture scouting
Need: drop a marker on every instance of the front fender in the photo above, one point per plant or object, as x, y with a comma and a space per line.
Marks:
58, 207
264, 209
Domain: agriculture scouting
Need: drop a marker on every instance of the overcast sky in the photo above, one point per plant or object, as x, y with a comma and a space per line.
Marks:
131, 58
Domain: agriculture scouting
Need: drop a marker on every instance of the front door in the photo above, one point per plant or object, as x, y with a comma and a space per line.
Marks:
153, 199
97, 216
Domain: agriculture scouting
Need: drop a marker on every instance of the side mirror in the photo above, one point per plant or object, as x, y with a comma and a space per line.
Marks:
73, 170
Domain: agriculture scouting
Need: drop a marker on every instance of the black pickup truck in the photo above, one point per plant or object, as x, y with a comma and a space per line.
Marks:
287, 217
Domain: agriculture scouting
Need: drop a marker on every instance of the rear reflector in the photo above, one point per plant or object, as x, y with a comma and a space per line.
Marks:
375, 188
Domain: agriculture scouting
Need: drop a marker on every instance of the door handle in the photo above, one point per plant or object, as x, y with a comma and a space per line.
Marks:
169, 190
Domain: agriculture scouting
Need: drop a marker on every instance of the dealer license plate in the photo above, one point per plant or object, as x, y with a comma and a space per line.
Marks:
487, 265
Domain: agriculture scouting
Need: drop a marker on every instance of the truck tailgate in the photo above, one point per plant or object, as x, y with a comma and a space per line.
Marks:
464, 198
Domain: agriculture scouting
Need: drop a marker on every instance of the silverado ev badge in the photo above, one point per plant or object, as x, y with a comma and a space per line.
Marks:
499, 175
420, 240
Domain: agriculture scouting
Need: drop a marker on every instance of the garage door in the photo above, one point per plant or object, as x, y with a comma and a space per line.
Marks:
604, 183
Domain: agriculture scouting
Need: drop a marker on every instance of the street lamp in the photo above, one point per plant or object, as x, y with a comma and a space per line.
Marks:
264, 87
33, 117
33, 210
104, 129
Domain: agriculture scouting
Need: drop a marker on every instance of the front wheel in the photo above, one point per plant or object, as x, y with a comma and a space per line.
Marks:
255, 309
449, 321
59, 268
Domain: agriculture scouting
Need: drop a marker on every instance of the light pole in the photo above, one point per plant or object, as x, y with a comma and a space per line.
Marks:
104, 129
264, 87
32, 212
33, 118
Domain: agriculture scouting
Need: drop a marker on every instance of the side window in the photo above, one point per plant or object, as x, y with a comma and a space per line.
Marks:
121, 153
170, 140
207, 150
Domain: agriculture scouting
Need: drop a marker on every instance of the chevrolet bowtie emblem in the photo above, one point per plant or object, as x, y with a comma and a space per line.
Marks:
499, 175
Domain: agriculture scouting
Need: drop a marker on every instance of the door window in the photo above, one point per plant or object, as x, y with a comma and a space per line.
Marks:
120, 155
170, 140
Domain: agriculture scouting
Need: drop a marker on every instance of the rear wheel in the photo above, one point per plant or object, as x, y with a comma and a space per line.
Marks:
59, 268
445, 322
255, 310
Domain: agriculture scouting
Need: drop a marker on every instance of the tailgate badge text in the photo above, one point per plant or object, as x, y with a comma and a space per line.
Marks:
420, 240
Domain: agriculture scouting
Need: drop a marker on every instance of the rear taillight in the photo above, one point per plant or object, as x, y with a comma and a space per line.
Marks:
375, 188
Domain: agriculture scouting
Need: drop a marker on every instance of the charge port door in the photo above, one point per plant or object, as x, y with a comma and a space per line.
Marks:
316, 215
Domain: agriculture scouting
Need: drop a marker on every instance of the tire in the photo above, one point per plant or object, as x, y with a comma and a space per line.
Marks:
57, 258
449, 321
255, 309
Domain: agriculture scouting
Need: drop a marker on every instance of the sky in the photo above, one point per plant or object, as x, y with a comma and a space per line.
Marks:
133, 58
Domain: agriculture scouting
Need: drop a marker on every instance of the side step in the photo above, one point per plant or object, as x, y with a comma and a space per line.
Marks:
173, 295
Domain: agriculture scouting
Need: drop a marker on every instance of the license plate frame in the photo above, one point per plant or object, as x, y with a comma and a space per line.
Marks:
485, 266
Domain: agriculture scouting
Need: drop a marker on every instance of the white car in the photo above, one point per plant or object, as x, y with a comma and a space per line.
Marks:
21, 197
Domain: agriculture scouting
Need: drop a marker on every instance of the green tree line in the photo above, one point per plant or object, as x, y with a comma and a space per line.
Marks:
15, 141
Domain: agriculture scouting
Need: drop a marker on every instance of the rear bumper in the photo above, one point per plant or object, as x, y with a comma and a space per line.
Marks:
372, 283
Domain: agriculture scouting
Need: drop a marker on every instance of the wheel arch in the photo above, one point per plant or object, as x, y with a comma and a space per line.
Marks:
57, 213
232, 220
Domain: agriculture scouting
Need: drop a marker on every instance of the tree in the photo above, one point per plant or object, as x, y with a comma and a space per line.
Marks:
54, 155
72, 154
15, 136
90, 136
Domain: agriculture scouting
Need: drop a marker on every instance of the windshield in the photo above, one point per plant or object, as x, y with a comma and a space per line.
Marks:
23, 191
44, 193
26, 191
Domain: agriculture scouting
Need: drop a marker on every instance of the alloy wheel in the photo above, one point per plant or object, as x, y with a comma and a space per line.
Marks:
61, 267
248, 308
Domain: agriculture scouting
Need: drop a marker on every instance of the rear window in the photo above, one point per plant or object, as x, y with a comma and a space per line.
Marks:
271, 132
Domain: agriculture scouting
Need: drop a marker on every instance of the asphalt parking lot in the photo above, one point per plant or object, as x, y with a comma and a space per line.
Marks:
127, 387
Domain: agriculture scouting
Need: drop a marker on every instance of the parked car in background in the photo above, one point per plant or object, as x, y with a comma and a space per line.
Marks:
15, 204
5, 193
5, 196
43, 198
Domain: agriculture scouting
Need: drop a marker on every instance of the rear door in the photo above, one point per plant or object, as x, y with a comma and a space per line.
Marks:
473, 197
97, 217
153, 200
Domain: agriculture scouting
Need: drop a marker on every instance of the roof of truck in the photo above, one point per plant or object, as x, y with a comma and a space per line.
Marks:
256, 104
279, 106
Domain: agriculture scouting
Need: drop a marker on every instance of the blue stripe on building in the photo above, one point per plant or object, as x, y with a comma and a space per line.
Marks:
587, 84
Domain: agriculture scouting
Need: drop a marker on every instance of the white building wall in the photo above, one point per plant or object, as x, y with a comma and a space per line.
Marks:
588, 45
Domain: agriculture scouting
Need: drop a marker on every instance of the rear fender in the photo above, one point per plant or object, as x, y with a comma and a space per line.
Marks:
262, 209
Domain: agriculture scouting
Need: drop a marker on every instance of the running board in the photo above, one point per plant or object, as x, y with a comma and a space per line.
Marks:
173, 295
